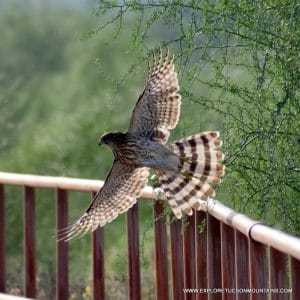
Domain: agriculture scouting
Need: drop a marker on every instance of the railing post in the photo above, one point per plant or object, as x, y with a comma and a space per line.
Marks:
278, 273
258, 268
62, 270
189, 256
295, 278
227, 260
213, 256
134, 278
29, 242
98, 263
201, 253
2, 240
177, 259
241, 264
161, 252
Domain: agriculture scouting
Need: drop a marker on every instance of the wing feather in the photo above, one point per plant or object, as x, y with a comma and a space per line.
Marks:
158, 107
122, 187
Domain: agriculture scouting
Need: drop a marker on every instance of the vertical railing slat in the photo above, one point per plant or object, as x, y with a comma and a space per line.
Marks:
62, 266
214, 255
241, 264
278, 276
2, 240
98, 263
177, 259
29, 242
161, 252
189, 256
134, 277
201, 252
258, 268
227, 260
295, 278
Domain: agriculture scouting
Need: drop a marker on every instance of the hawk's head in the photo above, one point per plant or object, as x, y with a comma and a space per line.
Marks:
112, 138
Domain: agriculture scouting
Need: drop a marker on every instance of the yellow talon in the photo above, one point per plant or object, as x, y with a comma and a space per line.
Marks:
185, 159
188, 160
187, 174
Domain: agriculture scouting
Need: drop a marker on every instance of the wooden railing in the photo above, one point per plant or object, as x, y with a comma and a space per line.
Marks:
221, 254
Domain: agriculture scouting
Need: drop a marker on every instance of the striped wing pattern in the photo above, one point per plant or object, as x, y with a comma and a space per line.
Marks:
122, 187
201, 165
158, 108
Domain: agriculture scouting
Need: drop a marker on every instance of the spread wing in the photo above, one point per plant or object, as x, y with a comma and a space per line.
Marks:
158, 108
122, 187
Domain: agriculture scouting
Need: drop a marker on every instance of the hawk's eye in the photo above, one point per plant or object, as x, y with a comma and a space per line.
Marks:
105, 139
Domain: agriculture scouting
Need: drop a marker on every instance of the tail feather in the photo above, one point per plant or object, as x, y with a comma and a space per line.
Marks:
201, 165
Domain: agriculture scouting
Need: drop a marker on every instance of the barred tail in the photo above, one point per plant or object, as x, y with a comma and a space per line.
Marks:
201, 165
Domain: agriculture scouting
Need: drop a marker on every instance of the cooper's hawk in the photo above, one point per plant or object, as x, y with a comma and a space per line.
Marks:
184, 168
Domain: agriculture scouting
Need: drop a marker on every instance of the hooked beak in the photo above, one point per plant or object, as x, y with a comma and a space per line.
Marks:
100, 142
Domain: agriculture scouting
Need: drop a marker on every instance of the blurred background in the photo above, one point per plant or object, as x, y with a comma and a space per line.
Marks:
72, 70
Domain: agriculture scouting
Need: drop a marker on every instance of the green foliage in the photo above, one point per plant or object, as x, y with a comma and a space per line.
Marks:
67, 77
56, 100
239, 60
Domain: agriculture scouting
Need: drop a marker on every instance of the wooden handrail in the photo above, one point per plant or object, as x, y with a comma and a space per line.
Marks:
251, 228
64, 183
12, 297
